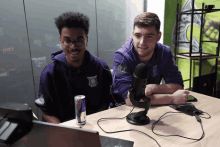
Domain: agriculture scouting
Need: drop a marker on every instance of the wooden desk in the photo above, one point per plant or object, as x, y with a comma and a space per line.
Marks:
180, 124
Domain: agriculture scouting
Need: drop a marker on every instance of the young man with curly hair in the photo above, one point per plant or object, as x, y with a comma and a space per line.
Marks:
75, 71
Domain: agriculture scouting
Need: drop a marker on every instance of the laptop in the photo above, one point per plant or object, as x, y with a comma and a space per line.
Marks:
204, 84
45, 134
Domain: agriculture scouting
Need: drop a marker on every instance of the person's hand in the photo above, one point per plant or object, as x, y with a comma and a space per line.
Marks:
128, 101
150, 88
180, 97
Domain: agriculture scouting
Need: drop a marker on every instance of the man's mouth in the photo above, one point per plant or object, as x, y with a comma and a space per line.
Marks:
75, 52
143, 48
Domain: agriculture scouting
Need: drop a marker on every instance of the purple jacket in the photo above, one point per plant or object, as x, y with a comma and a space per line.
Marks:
161, 65
60, 83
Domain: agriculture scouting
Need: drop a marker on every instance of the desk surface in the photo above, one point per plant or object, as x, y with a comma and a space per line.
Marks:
177, 123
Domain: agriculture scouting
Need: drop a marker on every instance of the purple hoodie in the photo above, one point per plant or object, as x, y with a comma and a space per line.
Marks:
60, 83
161, 65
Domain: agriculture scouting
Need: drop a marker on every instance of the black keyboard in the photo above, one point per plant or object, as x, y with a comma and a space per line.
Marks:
114, 142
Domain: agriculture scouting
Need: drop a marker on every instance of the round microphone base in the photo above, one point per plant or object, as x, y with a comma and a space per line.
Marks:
134, 119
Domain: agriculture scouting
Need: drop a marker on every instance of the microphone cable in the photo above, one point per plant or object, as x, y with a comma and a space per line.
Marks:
35, 94
155, 123
124, 130
197, 118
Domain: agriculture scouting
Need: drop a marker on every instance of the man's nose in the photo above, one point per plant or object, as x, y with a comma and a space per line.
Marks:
143, 41
73, 45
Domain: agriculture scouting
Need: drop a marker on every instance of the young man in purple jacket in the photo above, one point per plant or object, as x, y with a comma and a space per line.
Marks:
75, 71
143, 47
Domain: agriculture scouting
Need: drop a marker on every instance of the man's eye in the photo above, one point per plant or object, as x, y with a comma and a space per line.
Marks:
138, 36
79, 41
149, 36
68, 41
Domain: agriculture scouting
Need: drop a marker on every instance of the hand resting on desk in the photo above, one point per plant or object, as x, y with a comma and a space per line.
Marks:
178, 97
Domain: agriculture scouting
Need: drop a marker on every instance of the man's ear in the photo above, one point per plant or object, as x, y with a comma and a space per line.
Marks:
159, 36
132, 34
87, 38
61, 42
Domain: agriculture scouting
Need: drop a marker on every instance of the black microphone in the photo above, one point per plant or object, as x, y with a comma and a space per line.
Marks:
137, 92
139, 81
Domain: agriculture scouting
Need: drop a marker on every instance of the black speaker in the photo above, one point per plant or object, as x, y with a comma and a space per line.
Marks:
204, 84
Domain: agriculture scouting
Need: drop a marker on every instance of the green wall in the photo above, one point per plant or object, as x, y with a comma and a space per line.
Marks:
210, 33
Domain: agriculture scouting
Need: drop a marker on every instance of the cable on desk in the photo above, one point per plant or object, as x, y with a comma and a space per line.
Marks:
125, 130
197, 117
206, 117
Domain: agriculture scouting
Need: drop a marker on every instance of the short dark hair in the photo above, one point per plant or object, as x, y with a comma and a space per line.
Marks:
72, 20
147, 19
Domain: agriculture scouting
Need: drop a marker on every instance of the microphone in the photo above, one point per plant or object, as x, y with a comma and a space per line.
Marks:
139, 81
137, 92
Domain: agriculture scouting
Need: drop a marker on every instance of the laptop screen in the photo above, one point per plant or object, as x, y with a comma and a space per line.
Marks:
45, 134
52, 135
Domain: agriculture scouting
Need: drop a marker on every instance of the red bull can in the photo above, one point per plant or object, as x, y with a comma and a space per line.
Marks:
80, 109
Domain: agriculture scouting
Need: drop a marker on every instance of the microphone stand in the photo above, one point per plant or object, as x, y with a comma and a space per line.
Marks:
139, 118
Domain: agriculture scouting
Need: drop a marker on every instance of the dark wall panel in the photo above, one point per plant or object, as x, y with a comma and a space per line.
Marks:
16, 82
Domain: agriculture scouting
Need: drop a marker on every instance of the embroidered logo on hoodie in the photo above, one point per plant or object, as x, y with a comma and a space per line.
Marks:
122, 68
93, 81
40, 101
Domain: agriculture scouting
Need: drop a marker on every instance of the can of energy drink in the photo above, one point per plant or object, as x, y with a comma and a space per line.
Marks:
80, 109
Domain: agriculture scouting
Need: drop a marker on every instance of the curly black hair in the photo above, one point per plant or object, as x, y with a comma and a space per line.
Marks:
72, 20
